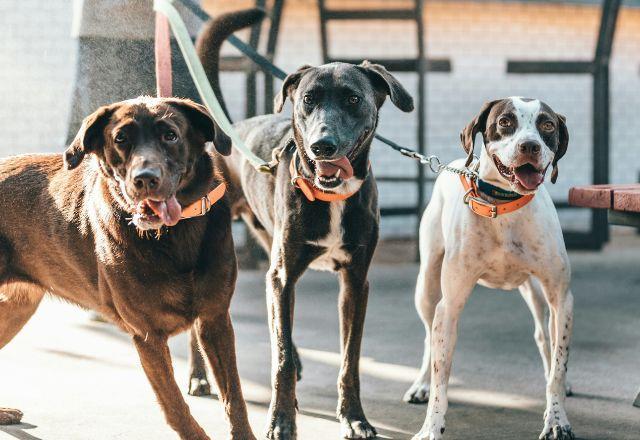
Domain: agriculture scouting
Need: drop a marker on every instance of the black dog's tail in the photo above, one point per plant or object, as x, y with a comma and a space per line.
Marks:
213, 34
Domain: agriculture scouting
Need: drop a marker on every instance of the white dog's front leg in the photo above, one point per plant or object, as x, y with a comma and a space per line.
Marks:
556, 423
444, 334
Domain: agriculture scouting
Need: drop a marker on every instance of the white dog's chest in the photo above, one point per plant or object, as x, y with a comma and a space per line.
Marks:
333, 242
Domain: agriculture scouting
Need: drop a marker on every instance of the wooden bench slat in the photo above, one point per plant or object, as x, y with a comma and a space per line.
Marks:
623, 197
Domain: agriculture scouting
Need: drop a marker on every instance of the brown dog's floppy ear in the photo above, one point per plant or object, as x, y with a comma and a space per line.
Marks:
563, 143
89, 138
288, 86
202, 121
385, 81
477, 125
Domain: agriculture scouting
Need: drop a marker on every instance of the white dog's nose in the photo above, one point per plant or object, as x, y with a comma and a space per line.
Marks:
529, 147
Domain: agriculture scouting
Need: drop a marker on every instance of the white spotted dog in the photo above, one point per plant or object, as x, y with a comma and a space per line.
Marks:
501, 232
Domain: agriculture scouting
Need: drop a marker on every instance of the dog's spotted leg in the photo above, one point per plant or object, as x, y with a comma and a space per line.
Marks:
217, 339
198, 382
156, 362
456, 290
560, 299
354, 292
427, 296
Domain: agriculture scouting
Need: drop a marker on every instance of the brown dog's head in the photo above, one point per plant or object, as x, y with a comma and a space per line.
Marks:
150, 147
522, 137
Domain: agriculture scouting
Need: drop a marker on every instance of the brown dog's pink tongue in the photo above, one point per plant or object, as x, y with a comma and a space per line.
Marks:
169, 211
329, 169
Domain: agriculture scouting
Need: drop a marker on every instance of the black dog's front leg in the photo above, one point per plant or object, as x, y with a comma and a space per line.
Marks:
280, 300
354, 293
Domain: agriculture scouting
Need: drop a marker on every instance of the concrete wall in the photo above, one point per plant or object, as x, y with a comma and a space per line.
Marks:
37, 57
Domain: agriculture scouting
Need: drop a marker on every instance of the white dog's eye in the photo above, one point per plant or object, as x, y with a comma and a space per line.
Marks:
548, 126
504, 122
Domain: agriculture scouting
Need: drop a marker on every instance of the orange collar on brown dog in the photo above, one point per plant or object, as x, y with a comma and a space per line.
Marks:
202, 206
311, 192
485, 209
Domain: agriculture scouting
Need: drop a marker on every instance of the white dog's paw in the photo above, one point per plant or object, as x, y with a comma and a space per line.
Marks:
433, 429
568, 389
417, 393
557, 432
426, 435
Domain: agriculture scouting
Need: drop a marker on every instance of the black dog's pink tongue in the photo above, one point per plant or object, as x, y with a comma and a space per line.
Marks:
169, 211
529, 177
329, 169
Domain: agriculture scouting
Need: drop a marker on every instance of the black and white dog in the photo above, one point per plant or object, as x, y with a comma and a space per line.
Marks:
521, 249
319, 208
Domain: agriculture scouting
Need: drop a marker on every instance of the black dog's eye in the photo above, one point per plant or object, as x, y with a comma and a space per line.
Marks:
504, 122
548, 126
170, 136
354, 99
307, 99
120, 138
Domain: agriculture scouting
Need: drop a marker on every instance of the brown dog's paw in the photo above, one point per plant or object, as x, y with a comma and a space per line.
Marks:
10, 416
199, 387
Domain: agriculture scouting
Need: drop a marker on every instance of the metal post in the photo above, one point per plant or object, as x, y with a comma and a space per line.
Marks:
422, 144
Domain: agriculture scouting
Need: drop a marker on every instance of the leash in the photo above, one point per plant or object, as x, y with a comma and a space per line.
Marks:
166, 8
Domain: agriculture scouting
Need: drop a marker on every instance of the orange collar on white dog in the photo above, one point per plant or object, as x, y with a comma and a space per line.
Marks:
485, 209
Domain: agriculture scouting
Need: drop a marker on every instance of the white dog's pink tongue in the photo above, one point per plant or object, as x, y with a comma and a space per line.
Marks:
169, 211
329, 169
529, 177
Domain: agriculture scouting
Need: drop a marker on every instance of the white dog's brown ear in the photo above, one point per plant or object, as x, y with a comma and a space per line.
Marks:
288, 87
563, 143
388, 85
89, 138
477, 125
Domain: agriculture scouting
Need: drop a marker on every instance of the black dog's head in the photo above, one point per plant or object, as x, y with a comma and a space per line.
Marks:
335, 113
522, 138
151, 148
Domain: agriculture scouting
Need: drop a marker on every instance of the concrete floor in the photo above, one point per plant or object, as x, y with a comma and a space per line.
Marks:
75, 379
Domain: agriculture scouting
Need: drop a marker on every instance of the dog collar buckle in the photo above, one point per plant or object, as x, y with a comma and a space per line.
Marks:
203, 206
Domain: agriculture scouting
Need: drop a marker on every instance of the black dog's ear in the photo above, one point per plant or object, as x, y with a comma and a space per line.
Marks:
388, 84
563, 143
288, 87
90, 138
477, 125
202, 121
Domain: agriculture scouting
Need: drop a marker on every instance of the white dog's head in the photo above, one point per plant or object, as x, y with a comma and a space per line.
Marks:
522, 137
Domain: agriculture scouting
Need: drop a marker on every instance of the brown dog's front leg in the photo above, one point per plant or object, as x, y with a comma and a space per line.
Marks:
354, 293
198, 382
217, 339
156, 361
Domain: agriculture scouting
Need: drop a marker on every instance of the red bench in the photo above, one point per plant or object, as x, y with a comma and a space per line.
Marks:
622, 203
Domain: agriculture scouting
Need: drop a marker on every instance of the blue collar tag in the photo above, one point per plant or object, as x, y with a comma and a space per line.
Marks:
496, 192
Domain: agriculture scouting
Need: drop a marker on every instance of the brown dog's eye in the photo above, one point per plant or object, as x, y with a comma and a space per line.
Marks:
548, 126
504, 122
307, 99
354, 99
120, 138
170, 136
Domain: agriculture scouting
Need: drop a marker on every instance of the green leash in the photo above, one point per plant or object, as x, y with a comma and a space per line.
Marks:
201, 81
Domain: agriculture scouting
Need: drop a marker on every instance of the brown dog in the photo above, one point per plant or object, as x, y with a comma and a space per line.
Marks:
115, 226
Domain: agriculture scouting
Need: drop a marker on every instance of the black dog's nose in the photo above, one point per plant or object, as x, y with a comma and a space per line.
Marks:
325, 146
529, 147
146, 179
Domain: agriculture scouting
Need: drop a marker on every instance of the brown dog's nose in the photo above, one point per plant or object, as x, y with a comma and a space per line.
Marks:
146, 179
529, 147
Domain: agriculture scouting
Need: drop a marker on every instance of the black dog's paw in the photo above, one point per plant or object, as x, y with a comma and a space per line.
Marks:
352, 429
281, 427
10, 416
558, 432
199, 387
